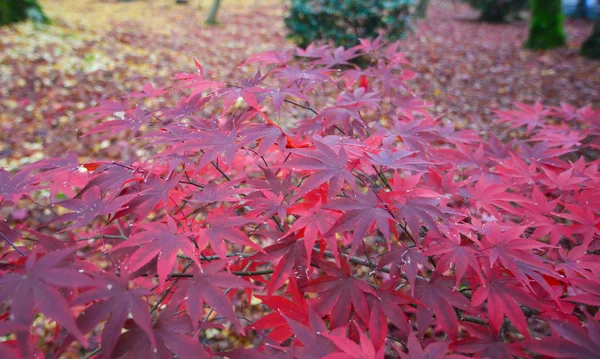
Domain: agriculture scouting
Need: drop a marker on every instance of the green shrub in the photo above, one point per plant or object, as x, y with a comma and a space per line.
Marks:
343, 22
12, 11
497, 10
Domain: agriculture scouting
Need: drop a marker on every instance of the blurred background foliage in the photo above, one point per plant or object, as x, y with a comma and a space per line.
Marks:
12, 11
345, 21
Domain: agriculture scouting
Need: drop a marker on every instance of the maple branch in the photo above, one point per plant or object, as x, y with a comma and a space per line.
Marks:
396, 340
387, 208
302, 106
166, 292
11, 244
473, 319
93, 352
100, 236
238, 273
216, 166
383, 178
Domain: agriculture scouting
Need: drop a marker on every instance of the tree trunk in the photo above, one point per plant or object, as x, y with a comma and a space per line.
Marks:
421, 9
495, 13
546, 26
214, 10
581, 9
591, 46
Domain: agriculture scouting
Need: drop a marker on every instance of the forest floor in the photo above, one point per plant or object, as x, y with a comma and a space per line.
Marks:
102, 49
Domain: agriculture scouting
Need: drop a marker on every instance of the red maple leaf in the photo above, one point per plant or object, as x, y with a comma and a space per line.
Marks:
90, 206
114, 301
174, 336
36, 286
361, 212
162, 241
339, 293
503, 296
207, 286
324, 165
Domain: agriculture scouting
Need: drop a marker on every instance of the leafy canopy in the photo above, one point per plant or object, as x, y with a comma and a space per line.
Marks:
315, 208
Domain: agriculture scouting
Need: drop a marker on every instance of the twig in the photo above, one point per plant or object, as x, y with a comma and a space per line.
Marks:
11, 244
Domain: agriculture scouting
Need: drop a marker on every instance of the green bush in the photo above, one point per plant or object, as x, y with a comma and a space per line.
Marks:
12, 11
497, 10
343, 22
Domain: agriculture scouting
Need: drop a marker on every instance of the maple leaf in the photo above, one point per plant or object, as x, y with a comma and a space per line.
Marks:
36, 287
503, 295
487, 345
577, 262
454, 251
409, 105
360, 213
531, 117
173, 335
52, 165
314, 345
213, 143
439, 297
563, 180
508, 247
416, 134
339, 56
266, 205
273, 182
267, 135
248, 92
488, 195
270, 57
308, 77
185, 108
295, 308
90, 206
587, 222
292, 255
352, 350
405, 260
405, 160
12, 188
562, 138
325, 165
130, 120
114, 301
278, 96
196, 82
207, 287
435, 350
153, 191
574, 341
339, 292
149, 91
106, 108
313, 222
222, 227
158, 240
541, 153
517, 170
389, 306
347, 118
419, 210
360, 98
110, 178
6, 328
222, 192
